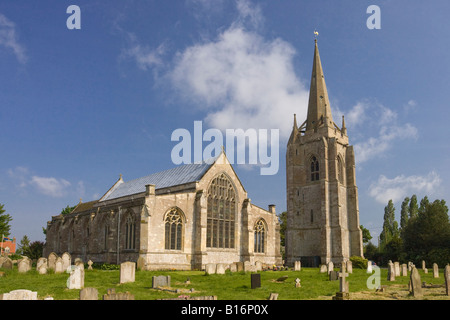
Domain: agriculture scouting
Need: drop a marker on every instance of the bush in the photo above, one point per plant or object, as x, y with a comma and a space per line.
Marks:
358, 262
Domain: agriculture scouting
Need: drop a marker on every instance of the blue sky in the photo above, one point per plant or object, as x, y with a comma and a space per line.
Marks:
80, 107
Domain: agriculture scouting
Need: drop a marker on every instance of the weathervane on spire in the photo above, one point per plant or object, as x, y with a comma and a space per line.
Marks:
316, 34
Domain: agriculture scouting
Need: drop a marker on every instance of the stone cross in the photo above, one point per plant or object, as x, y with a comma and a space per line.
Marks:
343, 285
297, 283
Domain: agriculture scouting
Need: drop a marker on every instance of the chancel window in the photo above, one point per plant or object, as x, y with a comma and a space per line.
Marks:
221, 211
173, 229
340, 171
314, 169
260, 236
130, 228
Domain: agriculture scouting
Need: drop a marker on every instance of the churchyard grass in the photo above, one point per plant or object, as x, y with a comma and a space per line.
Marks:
229, 286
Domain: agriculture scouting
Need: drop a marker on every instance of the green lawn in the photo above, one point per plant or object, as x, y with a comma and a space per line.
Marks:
231, 286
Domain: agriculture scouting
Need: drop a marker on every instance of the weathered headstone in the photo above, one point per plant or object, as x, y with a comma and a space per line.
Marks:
2, 259
220, 268
369, 267
255, 280
415, 283
330, 267
42, 268
160, 281
391, 272
90, 263
66, 260
76, 278
404, 270
333, 275
323, 268
447, 279
52, 260
258, 266
7, 264
248, 267
127, 272
281, 279
423, 265
297, 266
112, 295
59, 266
273, 296
297, 283
20, 294
41, 261
233, 267
89, 294
349, 266
239, 266
210, 268
397, 268
435, 270
24, 265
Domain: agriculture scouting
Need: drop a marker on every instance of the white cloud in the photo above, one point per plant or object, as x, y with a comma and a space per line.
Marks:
241, 79
8, 39
50, 186
402, 186
145, 57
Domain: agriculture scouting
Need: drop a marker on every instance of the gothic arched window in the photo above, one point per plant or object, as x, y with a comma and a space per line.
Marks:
260, 236
130, 228
340, 172
173, 229
221, 213
314, 169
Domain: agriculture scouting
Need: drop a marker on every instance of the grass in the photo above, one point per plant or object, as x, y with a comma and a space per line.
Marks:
230, 286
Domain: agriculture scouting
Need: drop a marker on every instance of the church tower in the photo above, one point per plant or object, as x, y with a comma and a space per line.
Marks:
322, 196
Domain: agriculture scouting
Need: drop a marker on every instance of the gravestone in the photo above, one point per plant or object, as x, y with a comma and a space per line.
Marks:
391, 272
330, 266
59, 266
423, 265
112, 295
349, 266
7, 264
160, 281
239, 266
76, 278
2, 259
220, 268
410, 266
297, 283
447, 279
52, 260
323, 268
233, 267
281, 279
210, 268
42, 268
425, 270
273, 296
41, 261
90, 263
435, 270
89, 294
127, 272
297, 266
20, 294
369, 267
404, 270
415, 283
248, 267
333, 275
343, 293
258, 266
255, 280
397, 268
24, 265
66, 260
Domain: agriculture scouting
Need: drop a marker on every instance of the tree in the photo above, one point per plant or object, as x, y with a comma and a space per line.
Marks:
390, 226
5, 219
34, 251
413, 207
23, 245
404, 214
365, 234
68, 209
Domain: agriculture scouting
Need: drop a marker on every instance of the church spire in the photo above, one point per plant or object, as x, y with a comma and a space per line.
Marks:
319, 111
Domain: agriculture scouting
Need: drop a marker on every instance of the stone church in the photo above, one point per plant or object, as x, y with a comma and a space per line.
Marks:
182, 218
322, 196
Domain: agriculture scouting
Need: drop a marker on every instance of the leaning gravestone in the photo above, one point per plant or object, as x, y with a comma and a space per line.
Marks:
127, 272
415, 283
447, 279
